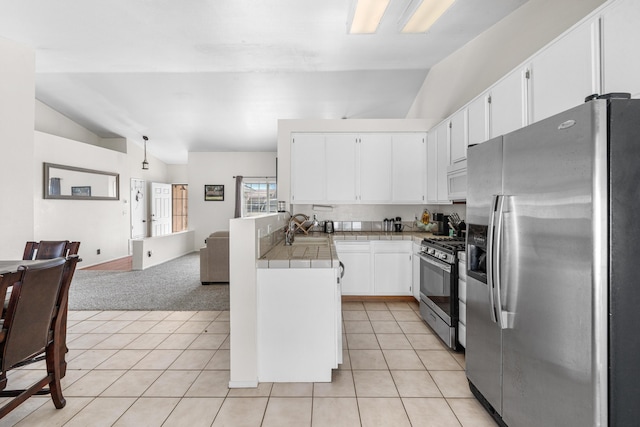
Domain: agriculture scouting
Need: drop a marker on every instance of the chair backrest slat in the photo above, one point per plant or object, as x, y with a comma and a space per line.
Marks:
49, 249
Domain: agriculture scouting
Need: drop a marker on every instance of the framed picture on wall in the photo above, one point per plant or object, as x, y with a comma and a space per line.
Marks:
84, 191
213, 193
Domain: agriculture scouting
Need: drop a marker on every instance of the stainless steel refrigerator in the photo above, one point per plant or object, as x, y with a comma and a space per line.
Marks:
553, 267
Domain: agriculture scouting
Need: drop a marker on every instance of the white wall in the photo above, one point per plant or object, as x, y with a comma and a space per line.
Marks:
467, 72
177, 174
220, 168
97, 224
50, 121
17, 94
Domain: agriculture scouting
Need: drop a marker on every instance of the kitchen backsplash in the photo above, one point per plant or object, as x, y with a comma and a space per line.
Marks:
373, 214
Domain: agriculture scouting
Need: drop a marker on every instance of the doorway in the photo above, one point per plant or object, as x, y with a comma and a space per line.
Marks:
138, 209
160, 209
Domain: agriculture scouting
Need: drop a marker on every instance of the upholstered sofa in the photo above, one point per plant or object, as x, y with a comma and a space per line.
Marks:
214, 258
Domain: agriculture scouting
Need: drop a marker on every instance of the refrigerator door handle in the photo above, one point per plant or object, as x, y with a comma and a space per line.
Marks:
491, 257
501, 315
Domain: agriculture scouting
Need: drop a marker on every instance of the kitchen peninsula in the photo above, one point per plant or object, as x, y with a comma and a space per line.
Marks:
285, 305
299, 311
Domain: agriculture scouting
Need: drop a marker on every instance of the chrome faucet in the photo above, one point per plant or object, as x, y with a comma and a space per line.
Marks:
289, 233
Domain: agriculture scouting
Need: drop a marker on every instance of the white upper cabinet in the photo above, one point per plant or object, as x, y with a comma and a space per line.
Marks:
478, 125
375, 167
620, 35
565, 72
458, 137
437, 164
347, 168
308, 168
442, 137
341, 167
456, 177
508, 104
432, 167
409, 165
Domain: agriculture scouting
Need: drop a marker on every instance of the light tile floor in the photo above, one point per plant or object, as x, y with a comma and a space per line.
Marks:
158, 368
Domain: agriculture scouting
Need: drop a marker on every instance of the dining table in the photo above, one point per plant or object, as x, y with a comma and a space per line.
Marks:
9, 271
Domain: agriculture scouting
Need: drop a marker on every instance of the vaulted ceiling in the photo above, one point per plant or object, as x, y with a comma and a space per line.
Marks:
216, 75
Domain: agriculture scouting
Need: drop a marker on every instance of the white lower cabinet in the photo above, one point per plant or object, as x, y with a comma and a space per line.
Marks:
416, 271
299, 329
376, 267
356, 257
392, 272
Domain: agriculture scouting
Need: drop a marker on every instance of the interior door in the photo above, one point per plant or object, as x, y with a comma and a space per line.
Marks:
138, 209
160, 209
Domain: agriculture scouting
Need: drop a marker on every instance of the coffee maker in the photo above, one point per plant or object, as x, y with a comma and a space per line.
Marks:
442, 221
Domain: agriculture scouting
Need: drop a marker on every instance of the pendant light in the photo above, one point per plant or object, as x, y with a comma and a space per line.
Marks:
145, 164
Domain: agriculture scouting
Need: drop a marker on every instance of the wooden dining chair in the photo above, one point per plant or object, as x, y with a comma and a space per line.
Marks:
33, 327
48, 249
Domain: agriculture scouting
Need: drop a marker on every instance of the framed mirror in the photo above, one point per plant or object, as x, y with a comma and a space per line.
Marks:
72, 183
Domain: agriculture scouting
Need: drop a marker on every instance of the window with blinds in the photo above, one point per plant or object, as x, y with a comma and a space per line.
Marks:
259, 196
180, 212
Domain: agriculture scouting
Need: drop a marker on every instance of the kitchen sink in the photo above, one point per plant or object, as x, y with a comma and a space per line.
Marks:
310, 240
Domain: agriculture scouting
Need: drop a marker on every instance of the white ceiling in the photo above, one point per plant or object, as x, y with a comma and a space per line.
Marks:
216, 75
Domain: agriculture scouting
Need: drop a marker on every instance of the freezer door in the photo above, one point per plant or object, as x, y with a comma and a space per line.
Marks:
483, 349
547, 269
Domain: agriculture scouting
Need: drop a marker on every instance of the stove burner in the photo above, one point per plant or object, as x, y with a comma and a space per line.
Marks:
448, 244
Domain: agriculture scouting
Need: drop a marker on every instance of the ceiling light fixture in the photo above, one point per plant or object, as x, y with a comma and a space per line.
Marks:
420, 15
365, 16
145, 164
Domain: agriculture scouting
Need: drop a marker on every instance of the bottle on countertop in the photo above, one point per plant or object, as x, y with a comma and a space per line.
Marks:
426, 217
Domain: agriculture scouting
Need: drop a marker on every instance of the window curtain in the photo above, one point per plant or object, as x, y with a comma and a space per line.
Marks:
238, 212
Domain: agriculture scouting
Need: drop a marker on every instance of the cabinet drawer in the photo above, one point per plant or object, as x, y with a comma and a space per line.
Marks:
386, 246
352, 246
462, 334
462, 271
462, 290
462, 315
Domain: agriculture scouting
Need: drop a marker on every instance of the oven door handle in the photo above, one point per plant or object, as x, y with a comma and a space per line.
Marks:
442, 265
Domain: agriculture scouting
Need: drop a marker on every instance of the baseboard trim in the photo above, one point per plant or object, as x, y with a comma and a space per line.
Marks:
377, 298
243, 384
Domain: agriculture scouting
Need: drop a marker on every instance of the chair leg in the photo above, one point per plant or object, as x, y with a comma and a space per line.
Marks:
62, 348
54, 368
22, 395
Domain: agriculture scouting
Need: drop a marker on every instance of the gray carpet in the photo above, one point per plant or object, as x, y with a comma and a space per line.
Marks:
174, 285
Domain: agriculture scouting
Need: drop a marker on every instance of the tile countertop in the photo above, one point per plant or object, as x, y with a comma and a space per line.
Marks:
314, 255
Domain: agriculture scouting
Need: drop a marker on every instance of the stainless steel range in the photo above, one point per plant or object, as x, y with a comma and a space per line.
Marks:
439, 286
